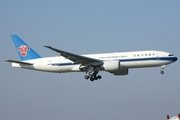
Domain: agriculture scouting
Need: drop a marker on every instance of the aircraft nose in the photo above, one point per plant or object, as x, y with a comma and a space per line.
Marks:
175, 59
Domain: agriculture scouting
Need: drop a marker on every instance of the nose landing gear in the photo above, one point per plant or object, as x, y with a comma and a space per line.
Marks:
162, 72
162, 68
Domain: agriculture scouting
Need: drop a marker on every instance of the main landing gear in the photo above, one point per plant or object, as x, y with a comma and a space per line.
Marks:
162, 68
92, 76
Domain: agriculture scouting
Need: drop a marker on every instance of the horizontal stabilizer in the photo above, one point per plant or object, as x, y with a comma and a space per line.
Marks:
19, 62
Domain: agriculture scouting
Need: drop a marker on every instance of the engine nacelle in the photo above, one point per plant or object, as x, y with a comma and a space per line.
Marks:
113, 66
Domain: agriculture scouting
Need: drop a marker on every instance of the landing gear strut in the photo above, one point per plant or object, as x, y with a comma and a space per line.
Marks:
162, 68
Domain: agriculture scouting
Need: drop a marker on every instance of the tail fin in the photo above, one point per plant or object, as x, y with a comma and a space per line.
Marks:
25, 52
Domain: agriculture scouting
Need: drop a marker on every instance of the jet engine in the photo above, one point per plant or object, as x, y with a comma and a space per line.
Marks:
113, 66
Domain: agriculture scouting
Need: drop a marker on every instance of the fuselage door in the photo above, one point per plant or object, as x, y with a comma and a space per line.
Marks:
158, 56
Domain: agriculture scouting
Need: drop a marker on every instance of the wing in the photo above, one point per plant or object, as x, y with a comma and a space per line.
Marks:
77, 58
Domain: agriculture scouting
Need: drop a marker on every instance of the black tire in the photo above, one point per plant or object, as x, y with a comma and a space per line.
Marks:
92, 79
99, 77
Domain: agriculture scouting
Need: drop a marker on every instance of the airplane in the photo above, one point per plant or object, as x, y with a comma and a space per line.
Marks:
117, 63
173, 118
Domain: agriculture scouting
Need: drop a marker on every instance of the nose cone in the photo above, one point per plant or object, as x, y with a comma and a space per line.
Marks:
175, 59
172, 59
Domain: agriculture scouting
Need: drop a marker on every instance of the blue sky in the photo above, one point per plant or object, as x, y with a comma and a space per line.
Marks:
84, 27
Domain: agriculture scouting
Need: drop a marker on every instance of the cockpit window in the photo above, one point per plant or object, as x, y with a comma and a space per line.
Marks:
171, 55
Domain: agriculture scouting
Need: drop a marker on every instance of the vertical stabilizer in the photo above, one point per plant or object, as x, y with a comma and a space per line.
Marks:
25, 52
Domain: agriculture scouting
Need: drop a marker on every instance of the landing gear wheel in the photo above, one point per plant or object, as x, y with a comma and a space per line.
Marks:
99, 77
86, 77
92, 76
162, 72
92, 79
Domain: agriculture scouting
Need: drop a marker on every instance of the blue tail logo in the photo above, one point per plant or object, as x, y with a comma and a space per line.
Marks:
25, 52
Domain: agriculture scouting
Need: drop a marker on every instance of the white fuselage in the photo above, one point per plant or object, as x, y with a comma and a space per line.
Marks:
138, 59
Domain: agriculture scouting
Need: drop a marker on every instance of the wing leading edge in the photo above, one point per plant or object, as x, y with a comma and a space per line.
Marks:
77, 58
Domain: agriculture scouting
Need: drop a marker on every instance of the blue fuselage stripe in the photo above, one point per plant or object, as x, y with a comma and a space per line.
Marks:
171, 59
145, 59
